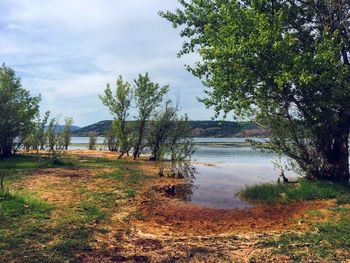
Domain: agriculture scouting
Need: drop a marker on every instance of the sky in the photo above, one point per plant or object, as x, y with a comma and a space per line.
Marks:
67, 50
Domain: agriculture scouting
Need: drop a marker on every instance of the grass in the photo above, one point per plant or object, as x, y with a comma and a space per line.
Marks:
329, 236
128, 176
300, 191
12, 205
326, 241
92, 212
29, 232
27, 162
23, 225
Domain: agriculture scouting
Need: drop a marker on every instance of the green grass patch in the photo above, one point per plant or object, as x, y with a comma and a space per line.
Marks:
13, 205
103, 199
92, 212
343, 199
130, 193
46, 233
23, 225
29, 162
126, 175
302, 190
138, 215
106, 162
328, 241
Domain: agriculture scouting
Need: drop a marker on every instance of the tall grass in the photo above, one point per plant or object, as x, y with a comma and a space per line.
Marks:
302, 190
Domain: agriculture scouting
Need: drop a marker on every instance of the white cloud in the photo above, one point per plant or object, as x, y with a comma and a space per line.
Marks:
67, 50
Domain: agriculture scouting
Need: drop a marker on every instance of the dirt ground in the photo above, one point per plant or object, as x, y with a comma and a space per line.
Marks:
165, 228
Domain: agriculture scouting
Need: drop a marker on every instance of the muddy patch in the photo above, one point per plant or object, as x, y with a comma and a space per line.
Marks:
176, 217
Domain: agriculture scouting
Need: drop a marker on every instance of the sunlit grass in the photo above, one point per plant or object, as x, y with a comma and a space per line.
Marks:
28, 225
326, 241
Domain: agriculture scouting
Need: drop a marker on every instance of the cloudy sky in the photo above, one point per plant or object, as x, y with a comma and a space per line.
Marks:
67, 50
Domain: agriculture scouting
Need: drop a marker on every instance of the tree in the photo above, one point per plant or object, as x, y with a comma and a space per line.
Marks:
148, 96
160, 129
170, 136
36, 139
110, 139
52, 134
119, 105
92, 140
67, 132
284, 63
17, 111
180, 144
40, 133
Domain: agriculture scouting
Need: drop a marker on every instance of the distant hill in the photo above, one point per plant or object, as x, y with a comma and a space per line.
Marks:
60, 128
199, 129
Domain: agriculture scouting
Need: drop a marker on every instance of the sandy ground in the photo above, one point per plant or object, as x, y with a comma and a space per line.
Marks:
169, 230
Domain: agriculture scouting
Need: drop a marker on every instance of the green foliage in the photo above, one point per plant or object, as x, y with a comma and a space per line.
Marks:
37, 138
181, 145
92, 141
119, 105
160, 130
17, 111
265, 60
110, 139
67, 131
148, 96
302, 190
51, 134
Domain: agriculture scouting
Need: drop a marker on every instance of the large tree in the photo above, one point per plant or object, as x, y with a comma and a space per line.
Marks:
284, 63
17, 111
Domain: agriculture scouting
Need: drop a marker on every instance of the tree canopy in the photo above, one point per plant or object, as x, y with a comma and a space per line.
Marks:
119, 105
17, 111
283, 63
148, 96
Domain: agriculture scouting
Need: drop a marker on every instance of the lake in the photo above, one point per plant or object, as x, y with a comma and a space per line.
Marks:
222, 169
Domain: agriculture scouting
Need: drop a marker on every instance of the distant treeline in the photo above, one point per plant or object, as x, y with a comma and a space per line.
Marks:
199, 129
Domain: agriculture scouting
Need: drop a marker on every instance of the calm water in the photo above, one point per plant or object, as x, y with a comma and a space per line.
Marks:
221, 171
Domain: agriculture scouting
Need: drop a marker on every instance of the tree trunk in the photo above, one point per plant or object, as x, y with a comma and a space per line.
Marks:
139, 140
6, 151
340, 158
121, 155
336, 160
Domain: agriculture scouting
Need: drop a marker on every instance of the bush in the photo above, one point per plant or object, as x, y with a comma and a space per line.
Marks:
92, 140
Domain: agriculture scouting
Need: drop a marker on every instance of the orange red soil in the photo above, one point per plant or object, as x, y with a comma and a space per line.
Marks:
182, 218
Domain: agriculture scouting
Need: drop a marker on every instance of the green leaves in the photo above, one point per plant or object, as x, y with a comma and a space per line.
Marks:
284, 63
119, 105
17, 111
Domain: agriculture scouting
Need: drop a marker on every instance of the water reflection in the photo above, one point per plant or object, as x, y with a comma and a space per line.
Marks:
233, 168
223, 171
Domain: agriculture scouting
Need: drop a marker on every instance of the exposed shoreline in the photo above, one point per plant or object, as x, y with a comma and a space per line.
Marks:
132, 216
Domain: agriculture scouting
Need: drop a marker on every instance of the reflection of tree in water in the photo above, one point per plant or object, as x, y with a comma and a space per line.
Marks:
185, 191
181, 170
